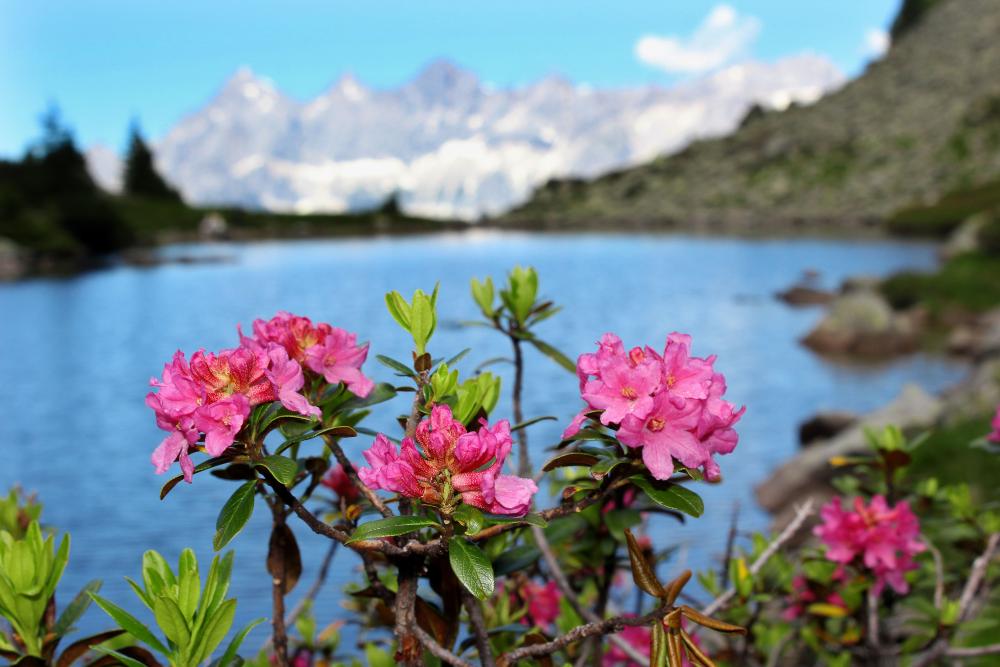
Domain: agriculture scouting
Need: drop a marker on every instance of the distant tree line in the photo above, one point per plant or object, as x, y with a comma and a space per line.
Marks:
49, 202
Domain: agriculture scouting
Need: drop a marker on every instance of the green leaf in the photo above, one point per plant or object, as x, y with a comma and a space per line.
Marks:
515, 559
671, 496
534, 420
399, 309
570, 459
121, 657
229, 658
201, 467
532, 519
130, 624
471, 566
554, 354
390, 527
170, 618
283, 468
483, 293
214, 631
398, 366
234, 515
75, 609
470, 517
643, 572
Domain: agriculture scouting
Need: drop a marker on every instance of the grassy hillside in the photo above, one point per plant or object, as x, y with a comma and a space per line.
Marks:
920, 123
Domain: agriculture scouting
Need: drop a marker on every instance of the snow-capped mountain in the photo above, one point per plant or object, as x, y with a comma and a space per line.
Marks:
449, 144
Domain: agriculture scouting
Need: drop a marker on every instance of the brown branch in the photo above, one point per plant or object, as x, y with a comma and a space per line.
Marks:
524, 457
801, 514
976, 576
478, 623
605, 627
406, 597
567, 590
437, 650
352, 473
312, 593
972, 651
279, 634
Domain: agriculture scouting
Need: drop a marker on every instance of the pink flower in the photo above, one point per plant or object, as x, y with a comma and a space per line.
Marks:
337, 481
236, 371
683, 375
995, 435
543, 602
884, 540
221, 421
670, 405
388, 471
338, 359
450, 460
623, 389
667, 433
286, 376
296, 334
639, 636
804, 594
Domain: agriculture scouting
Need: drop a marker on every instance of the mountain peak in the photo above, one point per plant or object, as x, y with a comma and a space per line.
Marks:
441, 77
244, 84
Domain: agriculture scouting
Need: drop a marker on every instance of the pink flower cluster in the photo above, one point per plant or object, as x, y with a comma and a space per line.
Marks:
336, 480
543, 602
884, 539
449, 457
213, 393
803, 595
994, 436
668, 404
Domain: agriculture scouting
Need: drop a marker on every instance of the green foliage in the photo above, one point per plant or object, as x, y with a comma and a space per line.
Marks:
471, 566
30, 569
390, 527
939, 219
17, 512
194, 619
910, 14
418, 317
140, 177
234, 514
969, 283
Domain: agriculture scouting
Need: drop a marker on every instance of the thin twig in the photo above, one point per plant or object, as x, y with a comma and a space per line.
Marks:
350, 471
312, 593
972, 651
938, 574
437, 650
801, 514
524, 457
976, 575
279, 634
478, 624
873, 625
563, 583
730, 543
606, 627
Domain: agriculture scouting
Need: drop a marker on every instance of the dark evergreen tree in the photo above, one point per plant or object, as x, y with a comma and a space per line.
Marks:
141, 178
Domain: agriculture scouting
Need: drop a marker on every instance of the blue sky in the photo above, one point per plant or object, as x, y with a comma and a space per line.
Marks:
106, 61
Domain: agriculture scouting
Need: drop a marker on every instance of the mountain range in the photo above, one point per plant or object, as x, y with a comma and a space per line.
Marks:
921, 123
446, 143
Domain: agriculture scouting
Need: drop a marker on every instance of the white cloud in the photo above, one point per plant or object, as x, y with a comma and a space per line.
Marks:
876, 42
723, 36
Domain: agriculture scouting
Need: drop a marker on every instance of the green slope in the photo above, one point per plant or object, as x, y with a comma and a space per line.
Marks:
923, 121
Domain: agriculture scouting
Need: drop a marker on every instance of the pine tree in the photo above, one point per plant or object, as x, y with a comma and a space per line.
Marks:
141, 178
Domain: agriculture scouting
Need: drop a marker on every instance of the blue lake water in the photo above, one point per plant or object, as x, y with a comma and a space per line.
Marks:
76, 356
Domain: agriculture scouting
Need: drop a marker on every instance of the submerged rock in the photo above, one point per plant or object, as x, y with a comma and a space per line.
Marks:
862, 323
13, 260
824, 425
808, 473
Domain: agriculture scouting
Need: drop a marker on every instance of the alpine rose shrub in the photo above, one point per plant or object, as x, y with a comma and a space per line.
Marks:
450, 462
994, 436
878, 538
668, 404
209, 398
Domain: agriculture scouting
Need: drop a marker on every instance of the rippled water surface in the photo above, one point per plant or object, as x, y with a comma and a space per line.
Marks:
76, 355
